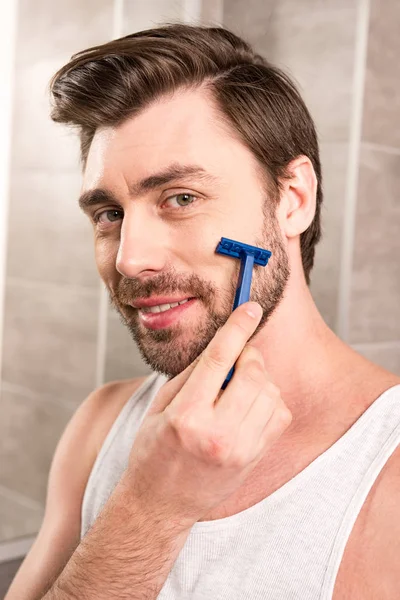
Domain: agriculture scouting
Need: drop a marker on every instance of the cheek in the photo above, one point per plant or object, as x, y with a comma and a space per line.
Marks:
194, 246
106, 256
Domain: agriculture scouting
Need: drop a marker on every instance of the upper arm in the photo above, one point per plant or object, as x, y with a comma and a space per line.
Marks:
371, 562
72, 462
383, 537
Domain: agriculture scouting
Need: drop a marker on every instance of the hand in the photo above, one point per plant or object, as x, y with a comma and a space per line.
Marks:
197, 443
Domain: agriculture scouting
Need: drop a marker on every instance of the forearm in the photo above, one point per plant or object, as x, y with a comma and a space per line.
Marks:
127, 554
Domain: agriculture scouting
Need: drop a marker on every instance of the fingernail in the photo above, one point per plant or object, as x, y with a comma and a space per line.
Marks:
254, 310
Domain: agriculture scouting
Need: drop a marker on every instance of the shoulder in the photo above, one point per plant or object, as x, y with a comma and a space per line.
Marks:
371, 563
382, 527
110, 399
385, 529
386, 515
379, 551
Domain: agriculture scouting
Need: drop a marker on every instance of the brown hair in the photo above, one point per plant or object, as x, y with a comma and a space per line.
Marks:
107, 84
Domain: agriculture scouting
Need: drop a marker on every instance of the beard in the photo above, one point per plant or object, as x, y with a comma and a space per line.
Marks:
169, 351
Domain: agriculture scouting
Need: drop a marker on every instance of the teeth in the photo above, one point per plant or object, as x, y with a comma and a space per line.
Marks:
162, 307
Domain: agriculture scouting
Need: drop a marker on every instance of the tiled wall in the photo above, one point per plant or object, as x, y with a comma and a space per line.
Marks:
374, 309
314, 42
344, 56
51, 288
60, 338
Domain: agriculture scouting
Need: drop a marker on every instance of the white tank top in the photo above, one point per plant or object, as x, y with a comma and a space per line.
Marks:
288, 546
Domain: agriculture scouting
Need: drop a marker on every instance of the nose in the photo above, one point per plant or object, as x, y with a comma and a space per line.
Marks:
141, 249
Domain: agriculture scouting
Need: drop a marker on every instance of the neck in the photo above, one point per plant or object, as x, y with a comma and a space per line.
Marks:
306, 360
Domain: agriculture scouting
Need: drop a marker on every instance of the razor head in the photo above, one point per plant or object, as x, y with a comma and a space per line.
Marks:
239, 250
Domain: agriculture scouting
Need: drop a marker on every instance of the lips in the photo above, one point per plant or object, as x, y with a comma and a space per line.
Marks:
158, 301
162, 307
161, 320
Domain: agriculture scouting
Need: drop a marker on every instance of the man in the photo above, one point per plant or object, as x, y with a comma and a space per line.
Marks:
287, 483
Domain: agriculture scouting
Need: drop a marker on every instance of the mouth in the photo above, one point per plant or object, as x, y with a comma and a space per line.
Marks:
164, 315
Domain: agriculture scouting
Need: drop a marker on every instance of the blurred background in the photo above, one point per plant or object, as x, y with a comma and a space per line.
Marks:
59, 339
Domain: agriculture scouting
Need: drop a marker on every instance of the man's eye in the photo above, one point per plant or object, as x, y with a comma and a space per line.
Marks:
107, 216
183, 200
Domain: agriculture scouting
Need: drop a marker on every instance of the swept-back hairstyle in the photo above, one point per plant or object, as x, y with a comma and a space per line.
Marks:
107, 84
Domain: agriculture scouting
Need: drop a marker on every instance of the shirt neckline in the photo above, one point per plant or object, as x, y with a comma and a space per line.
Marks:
273, 498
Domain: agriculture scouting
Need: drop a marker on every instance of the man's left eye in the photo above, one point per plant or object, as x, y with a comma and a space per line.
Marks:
183, 200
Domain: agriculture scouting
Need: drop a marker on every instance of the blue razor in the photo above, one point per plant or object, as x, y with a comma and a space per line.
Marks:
248, 255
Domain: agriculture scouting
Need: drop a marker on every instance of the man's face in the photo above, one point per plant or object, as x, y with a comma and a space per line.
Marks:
159, 239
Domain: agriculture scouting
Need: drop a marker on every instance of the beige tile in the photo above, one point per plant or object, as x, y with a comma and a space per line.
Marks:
254, 24
49, 238
30, 428
325, 274
375, 298
381, 96
123, 359
312, 41
212, 12
387, 356
145, 15
18, 520
47, 28
8, 570
50, 340
37, 142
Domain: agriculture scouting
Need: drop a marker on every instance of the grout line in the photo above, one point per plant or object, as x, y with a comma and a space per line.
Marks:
350, 204
118, 19
213, 12
15, 388
219, 18
191, 10
19, 389
382, 148
20, 498
51, 287
44, 170
392, 345
117, 32
14, 549
9, 18
102, 337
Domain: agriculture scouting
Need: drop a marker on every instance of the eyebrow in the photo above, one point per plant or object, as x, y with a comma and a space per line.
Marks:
173, 172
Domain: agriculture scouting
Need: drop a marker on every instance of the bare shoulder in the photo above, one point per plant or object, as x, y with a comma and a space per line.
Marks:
383, 529
371, 563
111, 398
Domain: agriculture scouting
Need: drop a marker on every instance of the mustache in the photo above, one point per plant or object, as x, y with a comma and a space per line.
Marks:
128, 290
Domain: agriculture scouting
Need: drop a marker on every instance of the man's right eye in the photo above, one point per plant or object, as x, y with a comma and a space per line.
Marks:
107, 216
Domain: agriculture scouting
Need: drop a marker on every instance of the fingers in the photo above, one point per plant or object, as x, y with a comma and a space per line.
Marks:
171, 388
264, 424
204, 382
248, 380
247, 408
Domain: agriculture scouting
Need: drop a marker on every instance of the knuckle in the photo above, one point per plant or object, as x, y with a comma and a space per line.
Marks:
240, 328
181, 422
173, 419
237, 460
254, 372
286, 416
215, 359
216, 447
272, 389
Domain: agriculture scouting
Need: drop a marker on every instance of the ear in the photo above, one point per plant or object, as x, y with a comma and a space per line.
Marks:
298, 197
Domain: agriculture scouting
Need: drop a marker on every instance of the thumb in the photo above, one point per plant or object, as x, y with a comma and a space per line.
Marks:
171, 388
